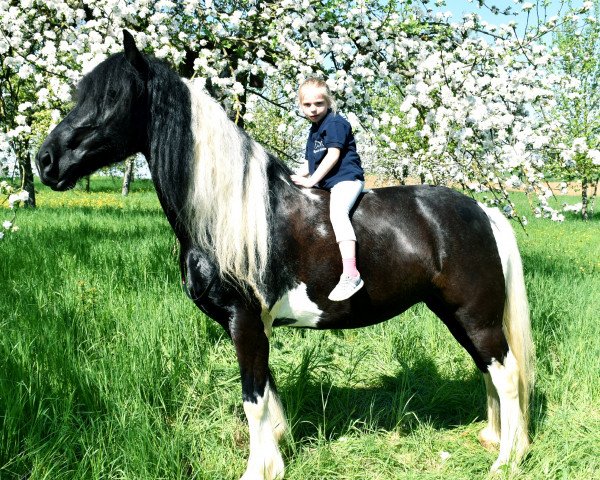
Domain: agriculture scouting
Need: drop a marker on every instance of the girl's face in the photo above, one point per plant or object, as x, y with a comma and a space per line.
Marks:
313, 103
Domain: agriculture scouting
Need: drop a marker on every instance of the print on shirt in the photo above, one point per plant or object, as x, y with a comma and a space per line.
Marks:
319, 147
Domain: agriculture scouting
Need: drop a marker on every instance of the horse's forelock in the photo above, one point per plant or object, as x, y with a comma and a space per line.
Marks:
112, 77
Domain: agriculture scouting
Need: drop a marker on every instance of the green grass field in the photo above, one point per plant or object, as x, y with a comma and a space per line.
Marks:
108, 371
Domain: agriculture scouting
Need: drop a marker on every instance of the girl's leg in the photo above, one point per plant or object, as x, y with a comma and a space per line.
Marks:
348, 251
347, 248
343, 198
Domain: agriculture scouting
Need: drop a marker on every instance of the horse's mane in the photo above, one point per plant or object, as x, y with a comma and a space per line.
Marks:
228, 208
211, 175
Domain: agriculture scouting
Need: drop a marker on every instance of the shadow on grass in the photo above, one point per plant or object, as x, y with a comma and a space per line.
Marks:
402, 403
574, 217
415, 395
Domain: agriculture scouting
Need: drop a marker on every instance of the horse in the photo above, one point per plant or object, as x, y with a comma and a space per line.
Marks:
257, 251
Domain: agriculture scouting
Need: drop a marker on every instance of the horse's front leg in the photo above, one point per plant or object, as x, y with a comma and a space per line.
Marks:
261, 403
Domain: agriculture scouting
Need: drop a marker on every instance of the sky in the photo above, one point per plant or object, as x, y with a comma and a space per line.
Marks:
459, 7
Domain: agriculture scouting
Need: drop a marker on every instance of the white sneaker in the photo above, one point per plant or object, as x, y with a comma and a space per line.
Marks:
346, 287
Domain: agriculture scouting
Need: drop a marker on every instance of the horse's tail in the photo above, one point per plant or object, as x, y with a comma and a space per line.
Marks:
516, 322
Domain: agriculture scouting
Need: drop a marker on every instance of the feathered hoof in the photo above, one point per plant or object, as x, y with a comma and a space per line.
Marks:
272, 470
510, 462
489, 439
501, 466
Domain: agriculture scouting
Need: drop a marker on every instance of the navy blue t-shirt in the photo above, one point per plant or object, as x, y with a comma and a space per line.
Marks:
334, 131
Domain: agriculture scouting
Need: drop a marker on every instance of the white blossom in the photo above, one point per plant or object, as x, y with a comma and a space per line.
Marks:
477, 97
594, 156
17, 198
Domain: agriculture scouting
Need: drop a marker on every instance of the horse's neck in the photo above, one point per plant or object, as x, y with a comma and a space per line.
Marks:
170, 144
181, 119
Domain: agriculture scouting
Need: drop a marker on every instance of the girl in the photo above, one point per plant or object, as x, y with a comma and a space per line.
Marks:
334, 165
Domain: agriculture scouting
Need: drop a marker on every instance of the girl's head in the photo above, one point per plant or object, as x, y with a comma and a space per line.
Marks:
315, 99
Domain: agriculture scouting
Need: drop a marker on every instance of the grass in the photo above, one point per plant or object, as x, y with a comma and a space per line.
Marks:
108, 371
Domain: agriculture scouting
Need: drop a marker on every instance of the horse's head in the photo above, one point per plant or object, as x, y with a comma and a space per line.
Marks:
106, 125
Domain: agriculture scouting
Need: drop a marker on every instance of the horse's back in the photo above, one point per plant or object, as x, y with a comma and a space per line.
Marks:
430, 222
414, 244
432, 243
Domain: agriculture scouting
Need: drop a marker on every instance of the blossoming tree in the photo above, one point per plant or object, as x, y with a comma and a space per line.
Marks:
455, 102
576, 156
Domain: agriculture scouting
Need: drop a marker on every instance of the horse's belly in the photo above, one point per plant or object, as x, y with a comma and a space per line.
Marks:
295, 309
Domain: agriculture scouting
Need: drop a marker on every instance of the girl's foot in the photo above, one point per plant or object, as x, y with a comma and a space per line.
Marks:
346, 287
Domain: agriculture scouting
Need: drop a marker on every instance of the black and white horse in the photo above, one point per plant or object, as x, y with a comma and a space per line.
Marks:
258, 251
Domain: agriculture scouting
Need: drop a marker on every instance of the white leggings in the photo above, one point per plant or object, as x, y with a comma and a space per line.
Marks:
343, 198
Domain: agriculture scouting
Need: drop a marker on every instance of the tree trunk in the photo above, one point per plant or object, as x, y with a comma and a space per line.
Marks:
592, 199
584, 198
87, 183
128, 178
27, 180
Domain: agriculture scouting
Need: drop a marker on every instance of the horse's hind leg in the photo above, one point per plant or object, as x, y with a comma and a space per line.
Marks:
506, 418
485, 341
514, 440
489, 437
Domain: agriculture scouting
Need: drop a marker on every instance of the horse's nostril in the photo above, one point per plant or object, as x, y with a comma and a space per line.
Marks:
44, 162
45, 159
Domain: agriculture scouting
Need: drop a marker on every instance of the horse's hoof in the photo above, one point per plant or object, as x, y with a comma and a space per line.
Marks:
502, 466
496, 466
489, 439
274, 471
258, 476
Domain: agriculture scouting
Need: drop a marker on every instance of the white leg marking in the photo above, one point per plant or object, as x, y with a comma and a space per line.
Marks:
513, 436
266, 424
490, 436
296, 304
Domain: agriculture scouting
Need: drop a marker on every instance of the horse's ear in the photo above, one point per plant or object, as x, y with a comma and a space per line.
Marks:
133, 55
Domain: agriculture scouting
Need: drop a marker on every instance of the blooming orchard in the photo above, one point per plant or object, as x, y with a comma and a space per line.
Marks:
452, 102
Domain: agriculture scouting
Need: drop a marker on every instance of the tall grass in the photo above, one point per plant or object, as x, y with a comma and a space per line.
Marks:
107, 370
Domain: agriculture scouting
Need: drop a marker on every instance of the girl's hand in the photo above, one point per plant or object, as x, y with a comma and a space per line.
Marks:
302, 181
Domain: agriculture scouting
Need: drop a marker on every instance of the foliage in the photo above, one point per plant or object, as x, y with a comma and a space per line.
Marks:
13, 199
451, 102
577, 54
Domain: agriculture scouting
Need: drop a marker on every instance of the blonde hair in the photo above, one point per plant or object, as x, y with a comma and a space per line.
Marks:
316, 82
228, 203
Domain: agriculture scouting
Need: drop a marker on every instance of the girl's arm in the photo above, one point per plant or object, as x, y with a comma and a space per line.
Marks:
333, 155
302, 170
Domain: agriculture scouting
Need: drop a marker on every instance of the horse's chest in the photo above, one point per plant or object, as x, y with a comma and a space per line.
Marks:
296, 309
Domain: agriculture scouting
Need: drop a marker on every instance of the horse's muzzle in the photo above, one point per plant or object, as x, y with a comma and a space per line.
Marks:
47, 167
